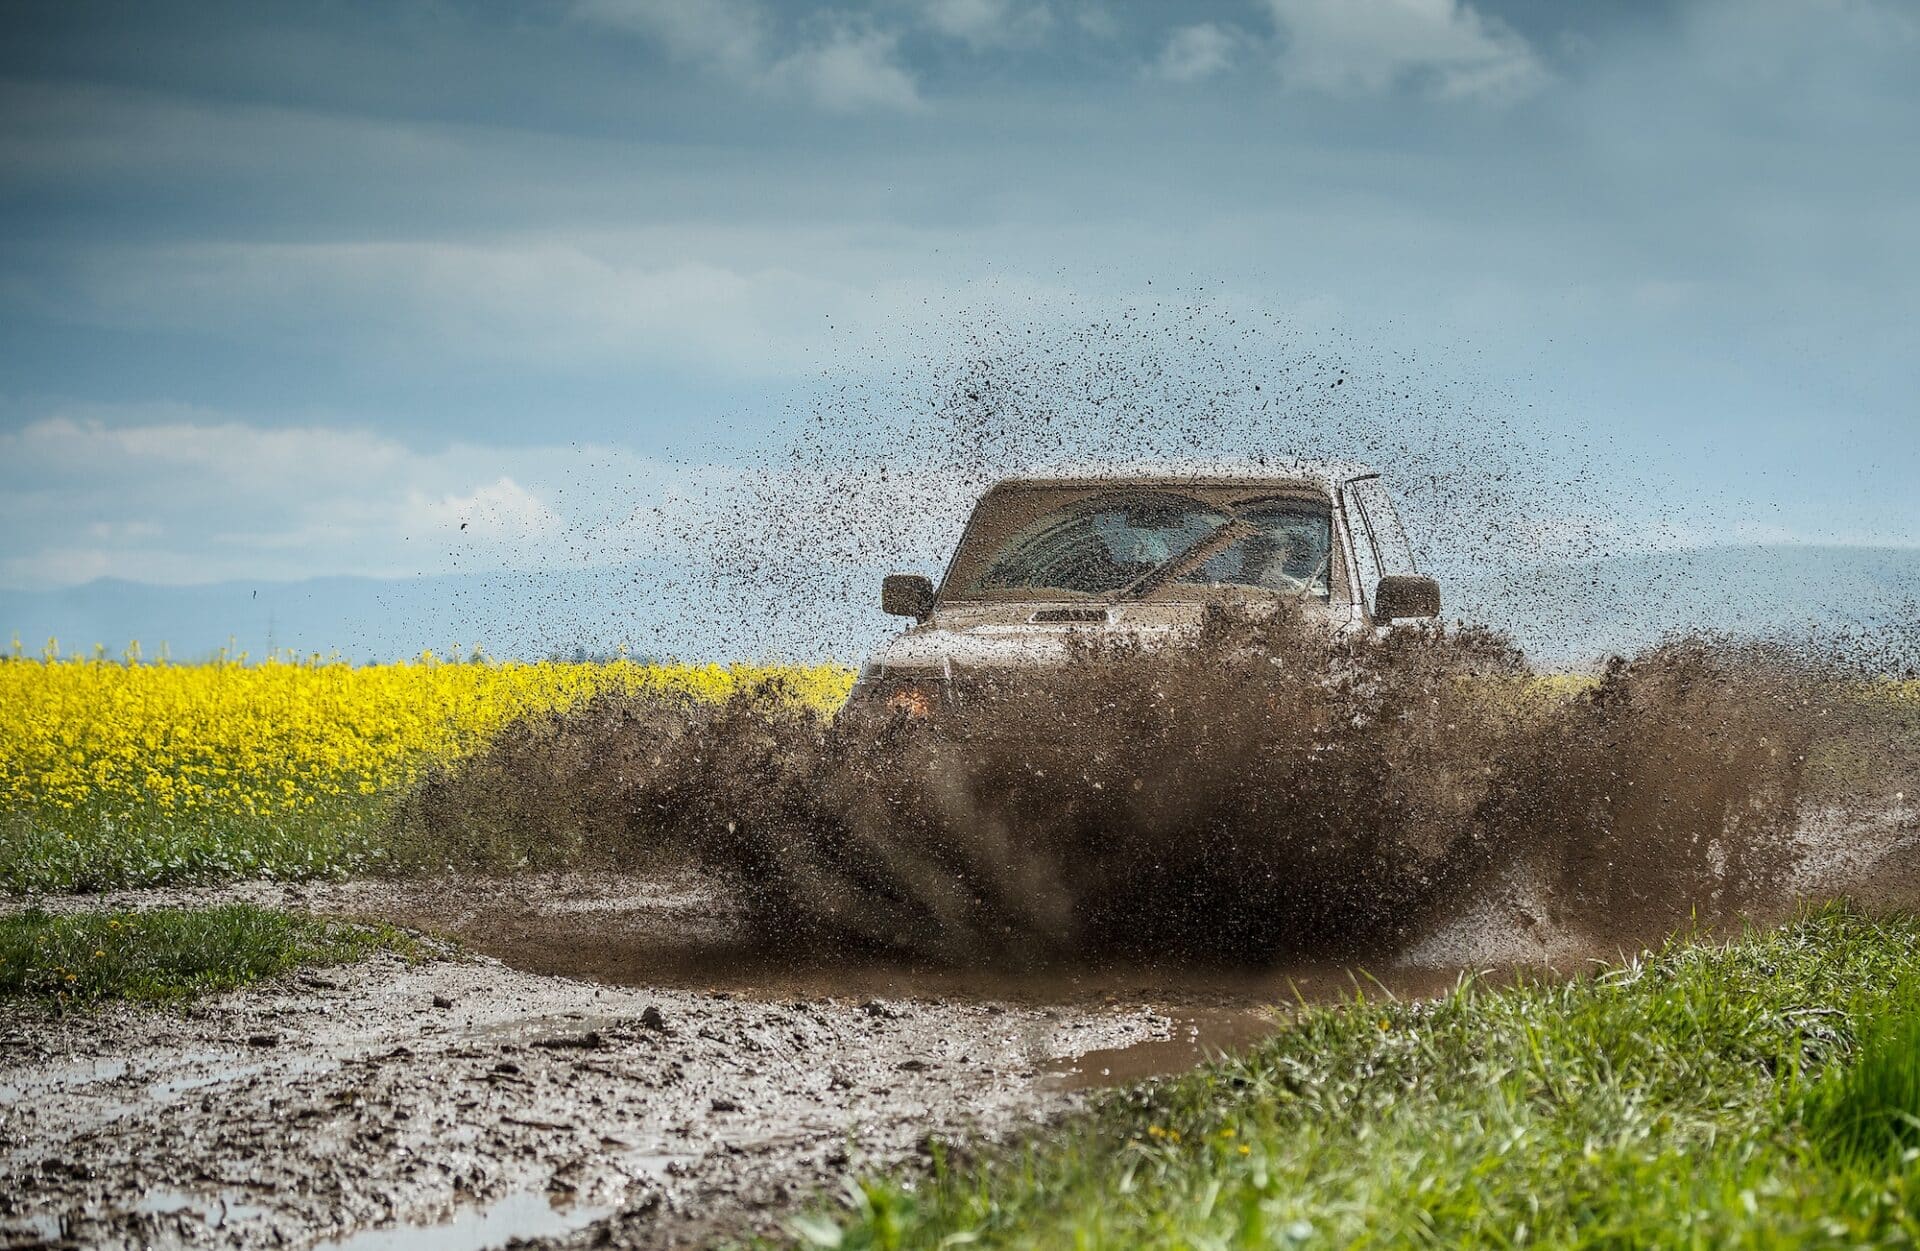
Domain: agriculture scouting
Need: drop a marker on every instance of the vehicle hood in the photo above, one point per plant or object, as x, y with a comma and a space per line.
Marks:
1010, 635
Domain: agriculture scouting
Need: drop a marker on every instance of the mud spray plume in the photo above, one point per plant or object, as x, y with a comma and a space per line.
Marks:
1269, 793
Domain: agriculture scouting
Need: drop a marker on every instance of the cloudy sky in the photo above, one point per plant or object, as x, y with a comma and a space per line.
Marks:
293, 289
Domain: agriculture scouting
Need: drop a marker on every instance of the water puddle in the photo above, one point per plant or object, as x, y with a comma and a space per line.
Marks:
1197, 1037
57, 1077
39, 1229
216, 1211
1245, 1013
221, 1070
523, 1214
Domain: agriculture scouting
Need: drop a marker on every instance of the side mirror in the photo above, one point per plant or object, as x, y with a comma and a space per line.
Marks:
907, 595
1405, 595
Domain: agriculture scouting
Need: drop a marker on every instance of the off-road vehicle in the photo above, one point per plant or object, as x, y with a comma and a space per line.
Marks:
1141, 554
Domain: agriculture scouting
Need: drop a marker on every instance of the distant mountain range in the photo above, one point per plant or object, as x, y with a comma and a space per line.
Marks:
1564, 614
361, 619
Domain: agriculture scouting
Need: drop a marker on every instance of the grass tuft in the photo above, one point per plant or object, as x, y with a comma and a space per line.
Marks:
174, 953
1868, 1112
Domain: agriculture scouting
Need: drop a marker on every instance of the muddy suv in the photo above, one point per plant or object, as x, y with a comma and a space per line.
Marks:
1142, 554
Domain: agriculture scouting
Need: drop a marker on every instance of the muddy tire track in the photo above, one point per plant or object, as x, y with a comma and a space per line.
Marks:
389, 1094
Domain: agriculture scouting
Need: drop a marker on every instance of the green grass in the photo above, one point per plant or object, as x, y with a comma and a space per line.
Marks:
1685, 1100
1868, 1112
83, 850
174, 953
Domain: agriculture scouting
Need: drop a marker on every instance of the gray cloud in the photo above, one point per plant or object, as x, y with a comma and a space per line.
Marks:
733, 35
1445, 48
180, 495
841, 64
1193, 53
983, 24
851, 69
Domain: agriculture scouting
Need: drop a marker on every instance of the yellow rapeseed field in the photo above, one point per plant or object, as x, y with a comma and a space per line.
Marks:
152, 765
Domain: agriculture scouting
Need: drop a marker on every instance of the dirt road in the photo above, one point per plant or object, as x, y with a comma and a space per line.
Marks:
609, 1061
460, 1103
387, 1094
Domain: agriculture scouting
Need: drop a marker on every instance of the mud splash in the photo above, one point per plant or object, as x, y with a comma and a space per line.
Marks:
877, 469
1268, 794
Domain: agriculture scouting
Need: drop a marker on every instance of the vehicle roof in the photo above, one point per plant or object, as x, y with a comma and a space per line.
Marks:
1327, 474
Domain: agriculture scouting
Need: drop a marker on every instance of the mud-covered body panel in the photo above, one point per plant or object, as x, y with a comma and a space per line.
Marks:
1005, 635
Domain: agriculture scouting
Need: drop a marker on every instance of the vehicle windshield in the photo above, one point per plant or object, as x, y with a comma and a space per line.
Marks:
1111, 544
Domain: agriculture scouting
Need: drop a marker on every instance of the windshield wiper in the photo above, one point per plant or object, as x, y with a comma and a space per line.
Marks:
1311, 584
1195, 554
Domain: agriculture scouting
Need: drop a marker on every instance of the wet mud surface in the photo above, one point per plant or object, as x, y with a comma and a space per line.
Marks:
388, 1095
619, 1061
613, 1057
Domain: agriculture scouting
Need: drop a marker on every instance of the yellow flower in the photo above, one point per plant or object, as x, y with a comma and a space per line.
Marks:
128, 743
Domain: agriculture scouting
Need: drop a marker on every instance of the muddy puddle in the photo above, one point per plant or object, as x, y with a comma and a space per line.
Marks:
521, 1217
1200, 1014
577, 1076
621, 1060
1208, 1021
1194, 1038
680, 930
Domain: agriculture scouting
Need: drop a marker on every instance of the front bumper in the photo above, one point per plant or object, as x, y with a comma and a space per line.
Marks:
883, 691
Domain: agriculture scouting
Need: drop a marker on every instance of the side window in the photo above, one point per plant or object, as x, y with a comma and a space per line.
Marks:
1379, 541
1366, 563
1390, 544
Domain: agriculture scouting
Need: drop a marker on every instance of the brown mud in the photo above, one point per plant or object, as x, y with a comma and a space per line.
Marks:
1265, 794
631, 1068
388, 1095
621, 1057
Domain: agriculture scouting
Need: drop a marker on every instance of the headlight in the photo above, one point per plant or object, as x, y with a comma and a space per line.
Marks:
916, 699
916, 694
